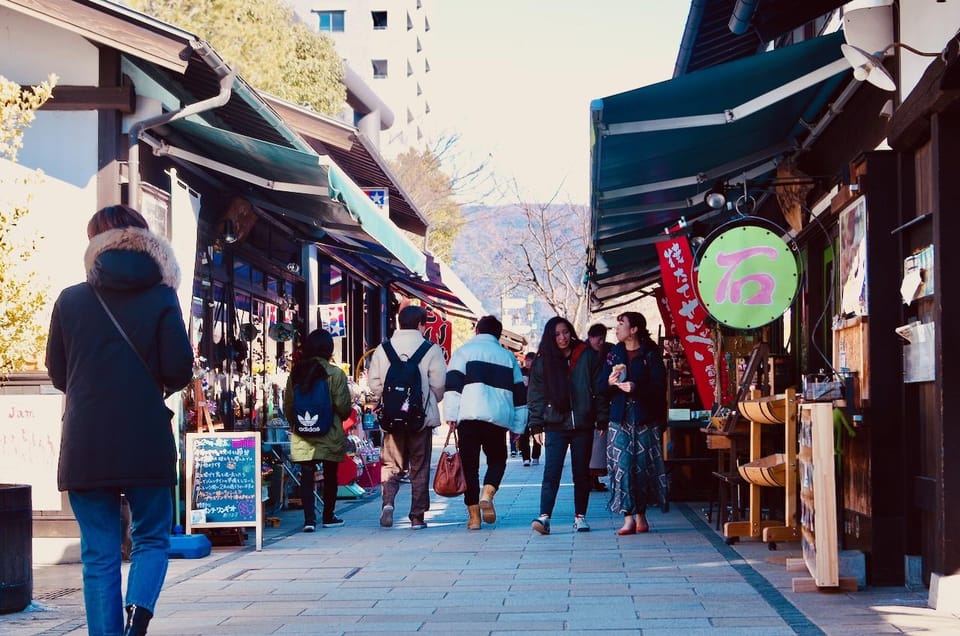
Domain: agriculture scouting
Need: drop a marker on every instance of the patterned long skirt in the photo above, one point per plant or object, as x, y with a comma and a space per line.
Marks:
635, 462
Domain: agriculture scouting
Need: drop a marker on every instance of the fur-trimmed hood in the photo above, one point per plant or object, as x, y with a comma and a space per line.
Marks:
126, 248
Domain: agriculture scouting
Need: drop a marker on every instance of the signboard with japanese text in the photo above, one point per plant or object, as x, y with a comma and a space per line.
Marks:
30, 445
689, 316
747, 276
224, 482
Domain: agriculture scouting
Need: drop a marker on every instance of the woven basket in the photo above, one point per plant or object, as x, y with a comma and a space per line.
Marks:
766, 471
765, 410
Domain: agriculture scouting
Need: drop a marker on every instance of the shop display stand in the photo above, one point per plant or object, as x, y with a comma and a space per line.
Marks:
778, 470
818, 507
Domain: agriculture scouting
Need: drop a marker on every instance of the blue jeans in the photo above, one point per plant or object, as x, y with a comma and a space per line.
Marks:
555, 445
98, 513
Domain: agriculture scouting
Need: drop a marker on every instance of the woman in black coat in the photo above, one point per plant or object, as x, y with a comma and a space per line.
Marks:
566, 403
117, 436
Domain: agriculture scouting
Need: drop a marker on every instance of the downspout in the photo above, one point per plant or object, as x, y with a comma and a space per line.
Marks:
742, 16
227, 78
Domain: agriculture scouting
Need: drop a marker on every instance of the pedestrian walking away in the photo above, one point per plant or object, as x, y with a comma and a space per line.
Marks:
597, 338
637, 388
526, 438
117, 347
313, 371
566, 402
408, 446
485, 395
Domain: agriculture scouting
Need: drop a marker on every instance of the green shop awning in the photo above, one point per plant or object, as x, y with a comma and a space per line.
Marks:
279, 169
375, 222
656, 150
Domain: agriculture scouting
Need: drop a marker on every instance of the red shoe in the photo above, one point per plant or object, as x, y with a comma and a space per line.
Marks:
625, 531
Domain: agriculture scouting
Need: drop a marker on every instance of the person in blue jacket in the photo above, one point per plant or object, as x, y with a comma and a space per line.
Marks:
116, 432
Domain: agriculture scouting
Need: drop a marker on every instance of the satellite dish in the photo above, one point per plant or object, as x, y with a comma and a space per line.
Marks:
868, 67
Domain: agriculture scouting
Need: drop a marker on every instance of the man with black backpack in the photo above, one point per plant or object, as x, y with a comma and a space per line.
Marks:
407, 373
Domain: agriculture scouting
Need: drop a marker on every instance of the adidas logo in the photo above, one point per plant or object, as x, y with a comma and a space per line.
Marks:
308, 422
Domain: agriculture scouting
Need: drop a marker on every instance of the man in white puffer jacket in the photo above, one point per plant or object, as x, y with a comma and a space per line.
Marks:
485, 397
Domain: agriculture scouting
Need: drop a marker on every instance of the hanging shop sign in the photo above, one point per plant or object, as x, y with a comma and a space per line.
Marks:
747, 275
380, 197
439, 331
333, 318
689, 316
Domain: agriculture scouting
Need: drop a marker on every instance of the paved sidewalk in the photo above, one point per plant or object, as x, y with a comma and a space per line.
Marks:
679, 579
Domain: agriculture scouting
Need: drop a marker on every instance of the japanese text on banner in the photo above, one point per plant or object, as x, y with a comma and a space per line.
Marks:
689, 316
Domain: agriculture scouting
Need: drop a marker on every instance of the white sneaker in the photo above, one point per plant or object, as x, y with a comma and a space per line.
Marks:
536, 462
580, 524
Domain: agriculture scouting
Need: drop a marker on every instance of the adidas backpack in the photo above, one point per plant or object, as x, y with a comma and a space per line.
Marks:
401, 402
314, 409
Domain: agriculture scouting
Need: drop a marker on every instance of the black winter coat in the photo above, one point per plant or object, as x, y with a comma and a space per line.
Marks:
649, 377
587, 395
116, 428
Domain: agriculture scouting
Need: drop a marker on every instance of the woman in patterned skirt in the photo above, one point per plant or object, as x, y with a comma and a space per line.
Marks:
637, 390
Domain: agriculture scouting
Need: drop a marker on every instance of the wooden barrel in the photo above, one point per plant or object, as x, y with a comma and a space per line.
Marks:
16, 547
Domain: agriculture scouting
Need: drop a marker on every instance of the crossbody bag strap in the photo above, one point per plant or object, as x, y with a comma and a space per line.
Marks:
123, 333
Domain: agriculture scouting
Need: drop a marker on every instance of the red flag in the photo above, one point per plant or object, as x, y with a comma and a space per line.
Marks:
689, 316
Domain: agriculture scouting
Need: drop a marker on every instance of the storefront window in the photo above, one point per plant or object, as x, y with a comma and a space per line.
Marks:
273, 285
336, 285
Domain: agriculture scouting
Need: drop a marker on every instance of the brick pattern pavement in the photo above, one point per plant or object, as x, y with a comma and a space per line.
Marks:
680, 579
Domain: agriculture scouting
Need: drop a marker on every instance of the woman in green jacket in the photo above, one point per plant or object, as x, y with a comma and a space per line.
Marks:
311, 365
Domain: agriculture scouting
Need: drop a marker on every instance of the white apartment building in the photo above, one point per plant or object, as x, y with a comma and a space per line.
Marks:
384, 43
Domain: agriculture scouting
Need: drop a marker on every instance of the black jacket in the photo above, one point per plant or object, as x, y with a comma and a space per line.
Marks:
589, 404
116, 428
649, 377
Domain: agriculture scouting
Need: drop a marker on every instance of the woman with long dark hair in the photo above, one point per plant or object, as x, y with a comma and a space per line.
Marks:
638, 395
565, 402
312, 364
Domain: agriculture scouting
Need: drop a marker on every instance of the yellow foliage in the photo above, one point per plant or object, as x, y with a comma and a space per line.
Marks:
21, 298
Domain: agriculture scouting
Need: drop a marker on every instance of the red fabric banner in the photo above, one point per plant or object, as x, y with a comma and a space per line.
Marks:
439, 331
669, 328
689, 316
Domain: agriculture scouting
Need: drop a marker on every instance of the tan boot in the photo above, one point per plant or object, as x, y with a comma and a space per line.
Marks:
473, 520
486, 504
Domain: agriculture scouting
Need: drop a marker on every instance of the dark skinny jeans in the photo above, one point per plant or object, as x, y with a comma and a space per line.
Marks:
476, 436
555, 446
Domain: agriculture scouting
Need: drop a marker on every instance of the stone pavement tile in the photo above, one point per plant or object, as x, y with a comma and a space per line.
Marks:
746, 606
721, 631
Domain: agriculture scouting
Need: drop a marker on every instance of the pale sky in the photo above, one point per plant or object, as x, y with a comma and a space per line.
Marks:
515, 79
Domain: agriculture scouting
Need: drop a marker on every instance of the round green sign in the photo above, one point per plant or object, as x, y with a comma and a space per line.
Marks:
747, 276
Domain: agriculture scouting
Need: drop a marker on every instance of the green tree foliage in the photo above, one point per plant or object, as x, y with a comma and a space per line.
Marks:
432, 191
269, 47
22, 298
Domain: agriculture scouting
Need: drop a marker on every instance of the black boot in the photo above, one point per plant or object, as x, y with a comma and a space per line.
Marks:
137, 620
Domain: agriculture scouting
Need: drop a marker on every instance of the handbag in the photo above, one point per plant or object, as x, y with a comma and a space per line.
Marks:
449, 480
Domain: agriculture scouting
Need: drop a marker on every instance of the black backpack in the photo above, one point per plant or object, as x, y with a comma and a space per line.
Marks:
314, 410
401, 402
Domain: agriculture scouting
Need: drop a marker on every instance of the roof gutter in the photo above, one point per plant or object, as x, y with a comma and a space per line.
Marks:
227, 78
689, 38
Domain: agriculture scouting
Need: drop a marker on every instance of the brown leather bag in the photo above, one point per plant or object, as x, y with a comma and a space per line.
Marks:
449, 480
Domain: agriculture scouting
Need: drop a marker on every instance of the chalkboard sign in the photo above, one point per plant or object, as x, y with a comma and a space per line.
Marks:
223, 481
